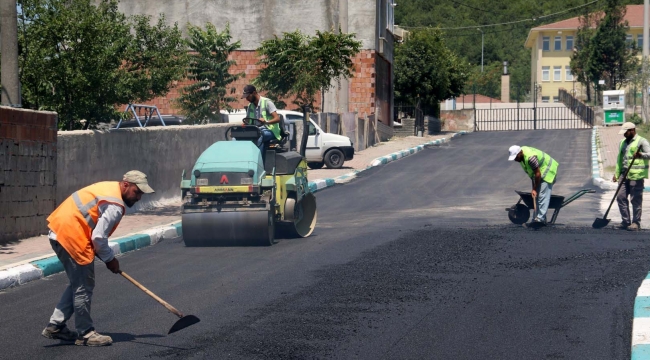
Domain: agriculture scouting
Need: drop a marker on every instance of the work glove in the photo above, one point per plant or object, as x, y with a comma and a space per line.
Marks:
113, 266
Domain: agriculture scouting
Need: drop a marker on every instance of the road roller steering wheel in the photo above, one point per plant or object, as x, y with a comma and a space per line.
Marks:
252, 121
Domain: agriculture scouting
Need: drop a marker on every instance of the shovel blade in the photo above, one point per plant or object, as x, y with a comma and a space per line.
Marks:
600, 223
182, 323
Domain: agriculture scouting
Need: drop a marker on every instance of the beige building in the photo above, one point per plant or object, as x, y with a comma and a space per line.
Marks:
551, 48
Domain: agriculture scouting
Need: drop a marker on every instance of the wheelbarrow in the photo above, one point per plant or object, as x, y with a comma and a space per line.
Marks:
520, 213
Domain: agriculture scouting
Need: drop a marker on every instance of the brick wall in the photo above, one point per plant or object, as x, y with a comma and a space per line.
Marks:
27, 171
362, 85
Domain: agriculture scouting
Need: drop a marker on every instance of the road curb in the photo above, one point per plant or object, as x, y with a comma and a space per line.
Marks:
641, 322
50, 265
321, 184
596, 168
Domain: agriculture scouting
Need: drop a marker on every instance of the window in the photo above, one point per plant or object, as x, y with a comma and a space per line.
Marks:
569, 42
557, 73
546, 43
568, 75
390, 16
639, 41
558, 43
312, 129
628, 40
546, 73
556, 99
544, 99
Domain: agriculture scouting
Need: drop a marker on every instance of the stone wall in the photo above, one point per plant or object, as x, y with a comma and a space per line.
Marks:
28, 153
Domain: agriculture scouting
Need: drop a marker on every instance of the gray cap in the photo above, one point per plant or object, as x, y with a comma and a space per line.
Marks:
626, 126
139, 179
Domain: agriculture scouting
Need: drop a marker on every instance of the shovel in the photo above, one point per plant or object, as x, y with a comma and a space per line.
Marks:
182, 323
533, 224
601, 223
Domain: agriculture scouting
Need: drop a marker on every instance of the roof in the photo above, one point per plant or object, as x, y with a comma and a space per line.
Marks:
480, 99
633, 16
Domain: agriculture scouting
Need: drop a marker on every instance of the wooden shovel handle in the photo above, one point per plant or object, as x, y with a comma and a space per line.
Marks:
163, 302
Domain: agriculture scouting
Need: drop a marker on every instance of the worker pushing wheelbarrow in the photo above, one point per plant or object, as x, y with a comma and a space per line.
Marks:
542, 170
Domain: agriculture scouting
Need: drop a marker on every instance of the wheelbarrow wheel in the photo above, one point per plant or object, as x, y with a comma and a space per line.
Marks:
519, 214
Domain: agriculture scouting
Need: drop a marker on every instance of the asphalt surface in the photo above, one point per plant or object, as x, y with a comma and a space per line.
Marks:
411, 260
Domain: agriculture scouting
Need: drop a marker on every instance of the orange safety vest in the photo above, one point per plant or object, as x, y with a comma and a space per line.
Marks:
75, 219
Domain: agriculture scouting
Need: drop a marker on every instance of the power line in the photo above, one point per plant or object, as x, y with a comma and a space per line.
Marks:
471, 7
505, 23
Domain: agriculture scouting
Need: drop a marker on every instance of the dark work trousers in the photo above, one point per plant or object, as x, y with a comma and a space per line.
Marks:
633, 189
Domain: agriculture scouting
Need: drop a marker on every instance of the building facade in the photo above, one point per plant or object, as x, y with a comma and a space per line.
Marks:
370, 91
551, 49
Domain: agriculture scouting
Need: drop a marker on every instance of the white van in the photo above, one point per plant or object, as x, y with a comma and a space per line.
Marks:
322, 148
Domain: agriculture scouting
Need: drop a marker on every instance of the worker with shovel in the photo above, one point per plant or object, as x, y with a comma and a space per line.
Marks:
79, 231
634, 151
542, 170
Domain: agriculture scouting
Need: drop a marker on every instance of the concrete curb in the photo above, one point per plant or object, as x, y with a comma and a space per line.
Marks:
321, 184
596, 167
50, 265
641, 322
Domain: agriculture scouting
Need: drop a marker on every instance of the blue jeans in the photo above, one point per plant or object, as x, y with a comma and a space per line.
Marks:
543, 199
267, 135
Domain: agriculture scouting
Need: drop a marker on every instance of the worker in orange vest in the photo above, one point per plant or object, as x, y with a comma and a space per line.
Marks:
79, 231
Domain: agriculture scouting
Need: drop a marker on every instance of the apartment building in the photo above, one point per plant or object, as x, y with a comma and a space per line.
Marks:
551, 48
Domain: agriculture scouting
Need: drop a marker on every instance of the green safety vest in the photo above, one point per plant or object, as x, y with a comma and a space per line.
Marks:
639, 169
275, 128
547, 165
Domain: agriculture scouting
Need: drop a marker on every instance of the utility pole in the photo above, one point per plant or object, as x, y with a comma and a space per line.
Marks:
9, 60
482, 42
644, 77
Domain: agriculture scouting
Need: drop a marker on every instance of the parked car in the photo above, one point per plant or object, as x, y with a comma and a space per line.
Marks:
322, 148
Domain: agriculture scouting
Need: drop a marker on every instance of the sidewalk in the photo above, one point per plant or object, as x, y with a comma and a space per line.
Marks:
35, 256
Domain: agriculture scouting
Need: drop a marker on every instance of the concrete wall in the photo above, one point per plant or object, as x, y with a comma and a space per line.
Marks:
255, 21
455, 120
87, 156
28, 180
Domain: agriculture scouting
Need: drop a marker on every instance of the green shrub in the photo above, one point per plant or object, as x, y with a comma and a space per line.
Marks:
635, 119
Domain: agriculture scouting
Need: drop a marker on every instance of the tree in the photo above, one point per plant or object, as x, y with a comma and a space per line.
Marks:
209, 68
82, 60
611, 58
298, 65
580, 57
426, 70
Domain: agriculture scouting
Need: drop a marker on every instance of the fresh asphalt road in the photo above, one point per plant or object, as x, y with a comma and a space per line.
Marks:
412, 260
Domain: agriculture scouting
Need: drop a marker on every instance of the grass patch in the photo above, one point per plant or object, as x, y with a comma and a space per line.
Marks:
643, 130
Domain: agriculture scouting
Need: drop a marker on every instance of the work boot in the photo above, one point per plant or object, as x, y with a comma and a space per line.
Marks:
59, 332
623, 226
93, 338
634, 227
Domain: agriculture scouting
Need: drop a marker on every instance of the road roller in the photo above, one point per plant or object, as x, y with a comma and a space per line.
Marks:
235, 195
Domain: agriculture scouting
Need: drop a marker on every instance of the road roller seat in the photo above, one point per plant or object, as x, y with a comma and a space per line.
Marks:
281, 145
